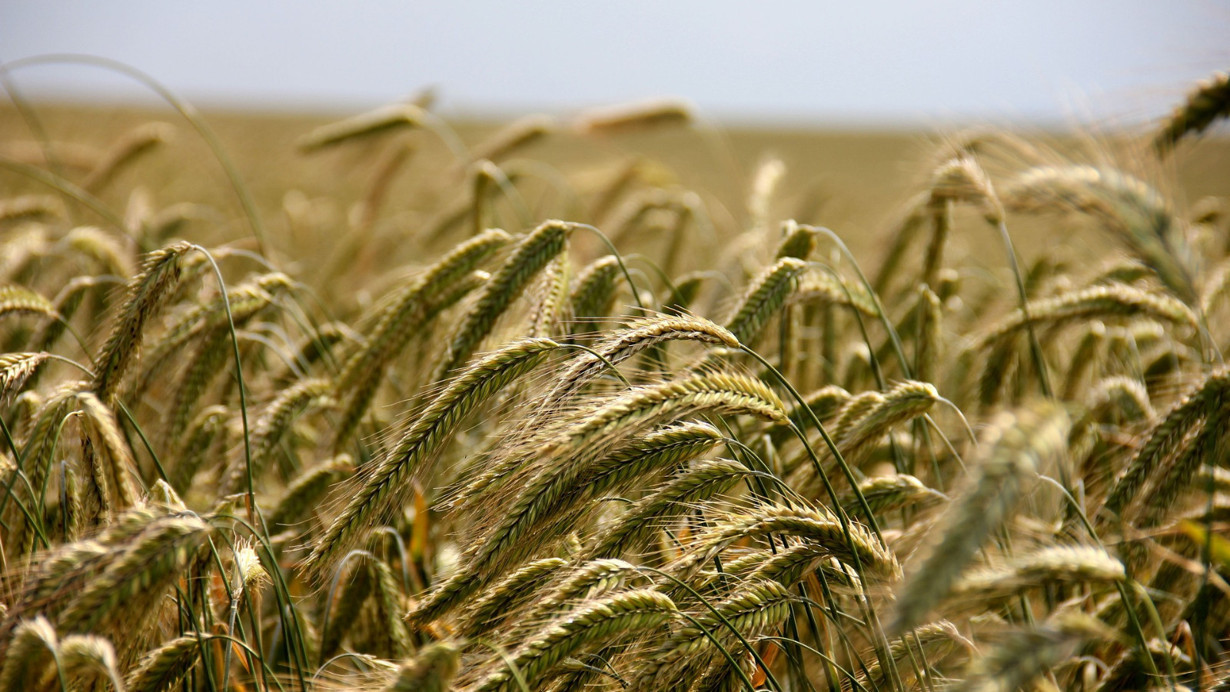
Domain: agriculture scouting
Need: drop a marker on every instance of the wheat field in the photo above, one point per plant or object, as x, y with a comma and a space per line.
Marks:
614, 401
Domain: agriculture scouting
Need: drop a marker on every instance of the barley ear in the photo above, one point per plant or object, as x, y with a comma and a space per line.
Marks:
131, 146
145, 297
15, 370
17, 300
1207, 103
384, 485
1017, 447
534, 252
369, 124
29, 651
622, 615
163, 668
634, 117
87, 658
764, 297
430, 670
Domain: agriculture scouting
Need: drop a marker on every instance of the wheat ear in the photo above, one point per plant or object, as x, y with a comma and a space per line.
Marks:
106, 452
515, 136
1094, 302
619, 419
384, 486
131, 146
84, 659
891, 492
633, 117
622, 418
1016, 447
1027, 654
431, 670
1207, 103
305, 491
622, 615
163, 668
31, 208
1054, 565
699, 482
764, 297
198, 441
936, 640
858, 547
756, 606
15, 370
410, 309
272, 426
375, 122
905, 401
30, 649
533, 253
637, 337
145, 297
1166, 437
17, 300
583, 582
151, 562
593, 293
1122, 204
504, 597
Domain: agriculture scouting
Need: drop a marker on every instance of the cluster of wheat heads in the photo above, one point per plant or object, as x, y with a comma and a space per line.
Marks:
603, 454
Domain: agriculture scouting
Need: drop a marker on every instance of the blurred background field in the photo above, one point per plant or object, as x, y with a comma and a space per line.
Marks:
857, 181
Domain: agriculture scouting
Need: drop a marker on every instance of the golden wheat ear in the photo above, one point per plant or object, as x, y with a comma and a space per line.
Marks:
431, 669
384, 484
376, 122
411, 308
1014, 450
146, 296
633, 117
1204, 105
535, 251
620, 616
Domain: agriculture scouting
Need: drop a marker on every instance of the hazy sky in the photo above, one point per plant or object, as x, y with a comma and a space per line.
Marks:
818, 61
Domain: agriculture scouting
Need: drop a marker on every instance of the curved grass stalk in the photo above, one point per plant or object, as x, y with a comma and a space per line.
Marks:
185, 109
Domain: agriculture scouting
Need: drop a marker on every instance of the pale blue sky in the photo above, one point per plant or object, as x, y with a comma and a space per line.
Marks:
821, 62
